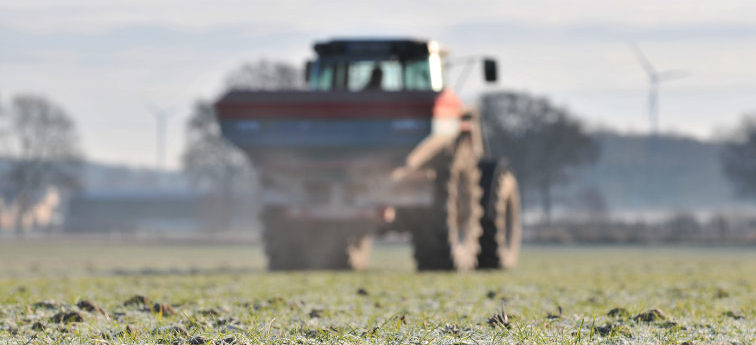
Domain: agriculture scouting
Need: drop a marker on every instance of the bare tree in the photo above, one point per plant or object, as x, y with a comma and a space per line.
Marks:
739, 158
44, 153
212, 164
265, 75
541, 141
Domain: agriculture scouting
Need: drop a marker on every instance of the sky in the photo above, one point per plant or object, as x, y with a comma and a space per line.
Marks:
110, 64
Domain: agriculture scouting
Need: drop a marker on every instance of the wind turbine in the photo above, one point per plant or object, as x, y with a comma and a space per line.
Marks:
654, 79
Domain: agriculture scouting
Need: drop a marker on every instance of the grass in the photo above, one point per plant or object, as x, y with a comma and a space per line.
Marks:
222, 295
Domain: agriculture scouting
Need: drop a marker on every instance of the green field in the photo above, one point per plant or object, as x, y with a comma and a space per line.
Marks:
222, 295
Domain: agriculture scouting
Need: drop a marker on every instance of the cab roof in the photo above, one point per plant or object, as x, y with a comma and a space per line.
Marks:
401, 49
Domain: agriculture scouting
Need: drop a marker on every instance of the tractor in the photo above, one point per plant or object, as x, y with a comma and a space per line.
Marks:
376, 142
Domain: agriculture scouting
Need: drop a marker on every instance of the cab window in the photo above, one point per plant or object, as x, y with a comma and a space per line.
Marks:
417, 75
386, 75
360, 74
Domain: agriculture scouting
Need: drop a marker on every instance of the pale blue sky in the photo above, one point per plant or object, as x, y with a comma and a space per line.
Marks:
106, 61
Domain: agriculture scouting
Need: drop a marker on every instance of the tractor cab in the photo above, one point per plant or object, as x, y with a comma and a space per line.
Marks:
373, 65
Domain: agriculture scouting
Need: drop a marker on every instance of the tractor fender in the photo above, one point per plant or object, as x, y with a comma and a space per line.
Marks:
423, 154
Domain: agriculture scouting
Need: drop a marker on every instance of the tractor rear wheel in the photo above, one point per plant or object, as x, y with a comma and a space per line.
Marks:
292, 244
502, 231
446, 235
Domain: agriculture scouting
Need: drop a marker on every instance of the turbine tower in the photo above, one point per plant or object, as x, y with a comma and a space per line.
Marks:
654, 79
161, 117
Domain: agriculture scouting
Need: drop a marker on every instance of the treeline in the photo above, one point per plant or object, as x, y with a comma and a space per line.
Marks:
677, 228
564, 169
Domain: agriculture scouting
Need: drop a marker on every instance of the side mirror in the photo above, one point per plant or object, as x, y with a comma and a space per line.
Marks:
489, 70
307, 71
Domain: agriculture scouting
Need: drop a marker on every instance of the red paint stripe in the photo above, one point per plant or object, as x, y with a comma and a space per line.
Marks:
446, 104
323, 110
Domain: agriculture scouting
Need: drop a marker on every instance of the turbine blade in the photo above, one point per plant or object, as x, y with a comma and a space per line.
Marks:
672, 74
642, 59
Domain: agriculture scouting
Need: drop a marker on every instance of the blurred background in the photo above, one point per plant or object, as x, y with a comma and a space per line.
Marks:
626, 122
